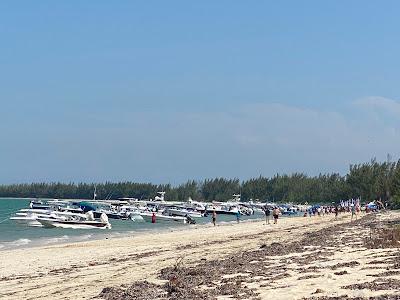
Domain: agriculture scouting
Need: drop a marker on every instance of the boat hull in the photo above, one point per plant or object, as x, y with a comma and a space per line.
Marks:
115, 216
29, 221
136, 218
74, 224
221, 212
163, 219
180, 213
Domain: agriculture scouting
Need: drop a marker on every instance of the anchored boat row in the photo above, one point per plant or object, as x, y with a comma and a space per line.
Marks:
96, 213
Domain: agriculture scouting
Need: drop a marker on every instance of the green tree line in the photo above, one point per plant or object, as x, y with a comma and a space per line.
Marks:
371, 180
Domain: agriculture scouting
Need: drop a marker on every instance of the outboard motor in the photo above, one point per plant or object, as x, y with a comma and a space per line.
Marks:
103, 218
89, 216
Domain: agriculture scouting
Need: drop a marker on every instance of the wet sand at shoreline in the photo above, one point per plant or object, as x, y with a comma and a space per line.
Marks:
310, 258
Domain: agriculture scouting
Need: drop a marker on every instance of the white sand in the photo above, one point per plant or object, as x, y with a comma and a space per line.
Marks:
81, 270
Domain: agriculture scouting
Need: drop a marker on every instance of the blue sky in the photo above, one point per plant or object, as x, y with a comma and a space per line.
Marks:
166, 91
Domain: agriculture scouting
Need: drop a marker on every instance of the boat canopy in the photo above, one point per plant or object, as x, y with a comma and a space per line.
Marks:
86, 206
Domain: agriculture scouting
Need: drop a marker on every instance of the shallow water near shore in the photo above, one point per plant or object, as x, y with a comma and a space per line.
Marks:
13, 235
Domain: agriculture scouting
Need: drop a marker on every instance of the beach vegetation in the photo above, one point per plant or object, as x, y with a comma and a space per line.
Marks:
368, 181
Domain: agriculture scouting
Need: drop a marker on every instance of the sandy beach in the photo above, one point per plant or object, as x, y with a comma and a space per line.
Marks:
299, 258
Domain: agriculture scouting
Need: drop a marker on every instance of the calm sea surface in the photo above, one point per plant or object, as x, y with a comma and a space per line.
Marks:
13, 235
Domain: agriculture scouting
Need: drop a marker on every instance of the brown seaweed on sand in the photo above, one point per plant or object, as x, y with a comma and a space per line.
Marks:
376, 285
232, 274
141, 290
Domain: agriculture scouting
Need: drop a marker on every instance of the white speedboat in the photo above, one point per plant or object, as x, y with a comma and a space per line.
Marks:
147, 216
158, 199
77, 223
194, 205
136, 218
81, 224
30, 217
231, 207
223, 209
27, 219
38, 204
183, 212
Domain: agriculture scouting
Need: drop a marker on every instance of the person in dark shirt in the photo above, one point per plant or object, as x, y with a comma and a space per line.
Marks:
336, 212
267, 214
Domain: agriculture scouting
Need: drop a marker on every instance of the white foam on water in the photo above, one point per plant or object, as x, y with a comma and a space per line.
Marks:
225, 222
19, 242
83, 237
56, 240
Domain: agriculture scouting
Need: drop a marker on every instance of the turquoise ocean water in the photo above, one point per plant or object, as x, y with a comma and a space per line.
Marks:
13, 235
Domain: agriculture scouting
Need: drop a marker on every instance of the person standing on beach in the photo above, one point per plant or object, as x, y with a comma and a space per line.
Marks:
214, 217
267, 214
336, 212
353, 212
153, 218
275, 214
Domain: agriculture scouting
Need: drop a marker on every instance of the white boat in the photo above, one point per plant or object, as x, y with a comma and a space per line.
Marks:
183, 212
136, 218
38, 204
28, 220
30, 217
223, 208
158, 199
77, 223
245, 209
50, 223
232, 207
147, 216
198, 206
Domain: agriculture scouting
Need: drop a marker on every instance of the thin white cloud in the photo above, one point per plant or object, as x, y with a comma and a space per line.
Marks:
377, 104
240, 142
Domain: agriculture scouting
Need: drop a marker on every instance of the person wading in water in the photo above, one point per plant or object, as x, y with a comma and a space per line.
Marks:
238, 216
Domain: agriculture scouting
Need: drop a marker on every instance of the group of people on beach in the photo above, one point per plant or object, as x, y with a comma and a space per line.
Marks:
214, 217
331, 209
353, 208
275, 214
321, 210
